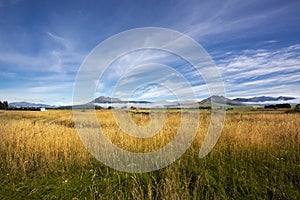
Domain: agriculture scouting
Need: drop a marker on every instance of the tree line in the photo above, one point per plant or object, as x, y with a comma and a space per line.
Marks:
3, 105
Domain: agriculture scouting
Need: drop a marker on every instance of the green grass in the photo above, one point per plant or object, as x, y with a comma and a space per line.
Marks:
250, 174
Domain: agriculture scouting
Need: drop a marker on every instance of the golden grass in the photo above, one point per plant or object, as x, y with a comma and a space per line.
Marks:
51, 137
36, 144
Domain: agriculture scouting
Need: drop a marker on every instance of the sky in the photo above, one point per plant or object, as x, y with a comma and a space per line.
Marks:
255, 46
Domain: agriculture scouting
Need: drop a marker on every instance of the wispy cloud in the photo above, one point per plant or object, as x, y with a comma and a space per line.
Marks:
270, 41
41, 51
55, 37
252, 72
7, 75
230, 19
50, 88
53, 61
65, 42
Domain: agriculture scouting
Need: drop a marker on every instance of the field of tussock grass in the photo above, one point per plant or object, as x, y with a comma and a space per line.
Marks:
256, 157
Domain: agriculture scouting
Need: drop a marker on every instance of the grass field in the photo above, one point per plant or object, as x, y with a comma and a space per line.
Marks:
256, 157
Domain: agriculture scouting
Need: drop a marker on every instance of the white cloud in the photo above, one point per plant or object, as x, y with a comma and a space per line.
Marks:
65, 42
55, 37
50, 88
230, 19
262, 72
52, 62
270, 41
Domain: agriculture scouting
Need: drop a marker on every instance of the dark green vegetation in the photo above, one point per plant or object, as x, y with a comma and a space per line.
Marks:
249, 174
3, 105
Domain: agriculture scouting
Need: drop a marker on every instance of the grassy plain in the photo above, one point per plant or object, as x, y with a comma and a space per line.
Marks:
256, 157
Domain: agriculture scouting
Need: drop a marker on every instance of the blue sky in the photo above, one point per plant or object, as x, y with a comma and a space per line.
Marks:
255, 45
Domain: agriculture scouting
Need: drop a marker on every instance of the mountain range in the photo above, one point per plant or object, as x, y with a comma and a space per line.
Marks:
24, 104
106, 101
263, 99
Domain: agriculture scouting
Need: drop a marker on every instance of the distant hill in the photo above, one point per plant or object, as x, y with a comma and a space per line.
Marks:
24, 104
103, 99
263, 99
221, 100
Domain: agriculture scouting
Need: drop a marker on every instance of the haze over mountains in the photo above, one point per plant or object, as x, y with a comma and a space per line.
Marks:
24, 104
118, 103
263, 99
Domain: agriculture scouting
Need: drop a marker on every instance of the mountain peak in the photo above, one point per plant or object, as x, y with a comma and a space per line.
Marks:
220, 100
103, 99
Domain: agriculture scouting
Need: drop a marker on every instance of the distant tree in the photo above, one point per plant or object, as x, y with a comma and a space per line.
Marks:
296, 109
270, 106
283, 105
98, 107
3, 105
133, 108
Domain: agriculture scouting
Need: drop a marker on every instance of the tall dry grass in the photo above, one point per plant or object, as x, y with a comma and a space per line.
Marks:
257, 156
